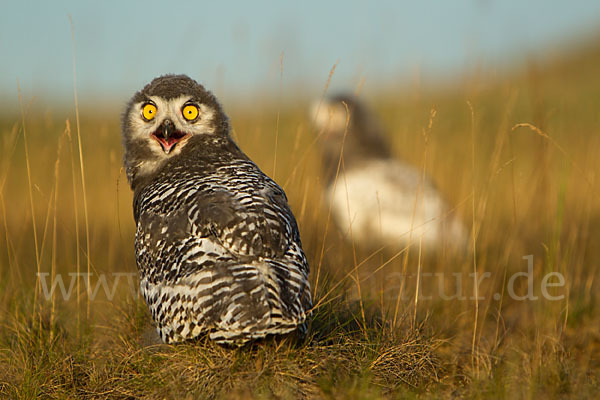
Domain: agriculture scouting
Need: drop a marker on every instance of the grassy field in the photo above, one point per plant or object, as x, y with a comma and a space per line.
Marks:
518, 155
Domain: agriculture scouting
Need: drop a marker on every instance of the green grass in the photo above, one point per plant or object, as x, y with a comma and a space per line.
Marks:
528, 190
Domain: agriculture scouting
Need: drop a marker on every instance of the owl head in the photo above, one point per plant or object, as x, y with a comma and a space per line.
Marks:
161, 119
346, 125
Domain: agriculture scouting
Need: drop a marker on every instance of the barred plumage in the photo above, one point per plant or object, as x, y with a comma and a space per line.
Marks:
217, 247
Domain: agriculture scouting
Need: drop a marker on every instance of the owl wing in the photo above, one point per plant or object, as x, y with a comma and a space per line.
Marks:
259, 226
256, 224
223, 223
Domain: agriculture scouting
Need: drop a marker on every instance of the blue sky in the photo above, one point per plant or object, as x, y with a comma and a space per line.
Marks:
234, 47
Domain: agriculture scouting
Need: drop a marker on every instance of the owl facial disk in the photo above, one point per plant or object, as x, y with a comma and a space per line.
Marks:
168, 136
330, 118
167, 124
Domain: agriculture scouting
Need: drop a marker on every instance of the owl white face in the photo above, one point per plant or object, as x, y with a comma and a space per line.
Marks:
330, 117
167, 125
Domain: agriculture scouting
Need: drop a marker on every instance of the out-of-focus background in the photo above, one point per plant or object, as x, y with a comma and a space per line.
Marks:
497, 102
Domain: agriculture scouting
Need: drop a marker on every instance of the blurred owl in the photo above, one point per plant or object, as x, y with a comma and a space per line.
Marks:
217, 247
376, 198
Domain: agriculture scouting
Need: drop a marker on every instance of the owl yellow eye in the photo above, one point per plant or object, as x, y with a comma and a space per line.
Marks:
190, 112
149, 111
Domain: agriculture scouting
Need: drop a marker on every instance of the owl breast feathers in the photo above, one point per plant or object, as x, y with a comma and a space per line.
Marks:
217, 247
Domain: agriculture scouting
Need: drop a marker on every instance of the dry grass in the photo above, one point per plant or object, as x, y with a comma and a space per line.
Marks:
519, 157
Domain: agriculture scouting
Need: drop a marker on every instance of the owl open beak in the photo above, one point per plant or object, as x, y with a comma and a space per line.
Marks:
168, 136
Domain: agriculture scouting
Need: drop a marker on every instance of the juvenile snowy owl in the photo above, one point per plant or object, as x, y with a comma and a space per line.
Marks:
377, 199
217, 247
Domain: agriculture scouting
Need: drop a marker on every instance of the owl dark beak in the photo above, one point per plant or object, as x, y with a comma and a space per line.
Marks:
168, 136
166, 129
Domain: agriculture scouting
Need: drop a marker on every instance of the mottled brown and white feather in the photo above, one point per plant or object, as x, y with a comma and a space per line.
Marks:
217, 247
